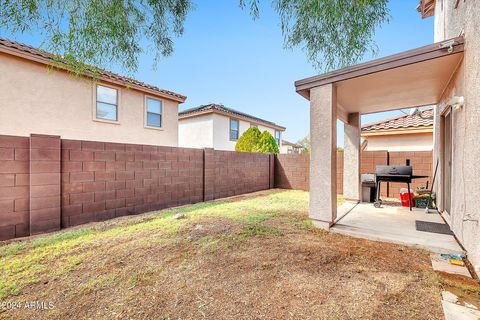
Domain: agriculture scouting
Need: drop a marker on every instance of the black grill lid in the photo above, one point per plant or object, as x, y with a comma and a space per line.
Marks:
393, 171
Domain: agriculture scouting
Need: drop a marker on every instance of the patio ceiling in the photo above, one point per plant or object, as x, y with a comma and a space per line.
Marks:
411, 78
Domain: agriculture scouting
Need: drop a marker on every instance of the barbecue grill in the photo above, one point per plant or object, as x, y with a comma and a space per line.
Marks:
394, 174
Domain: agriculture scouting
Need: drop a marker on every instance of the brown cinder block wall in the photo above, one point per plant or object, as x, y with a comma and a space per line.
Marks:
340, 158
370, 160
292, 170
232, 173
14, 186
421, 161
45, 190
47, 183
105, 180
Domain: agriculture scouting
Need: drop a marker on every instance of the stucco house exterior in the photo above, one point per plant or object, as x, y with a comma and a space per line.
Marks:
290, 147
444, 74
216, 126
37, 95
457, 126
402, 133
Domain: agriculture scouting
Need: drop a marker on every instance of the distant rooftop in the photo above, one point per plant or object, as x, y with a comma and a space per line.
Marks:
403, 122
221, 109
30, 53
288, 143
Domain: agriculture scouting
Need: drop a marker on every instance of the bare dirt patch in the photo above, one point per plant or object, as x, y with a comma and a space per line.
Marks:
208, 228
466, 289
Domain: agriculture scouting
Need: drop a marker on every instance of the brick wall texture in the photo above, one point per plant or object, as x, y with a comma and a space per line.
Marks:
339, 172
231, 173
14, 186
421, 161
45, 210
48, 183
291, 171
372, 159
101, 180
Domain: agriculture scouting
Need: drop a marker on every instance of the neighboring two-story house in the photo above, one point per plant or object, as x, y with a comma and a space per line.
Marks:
216, 126
402, 133
38, 96
291, 148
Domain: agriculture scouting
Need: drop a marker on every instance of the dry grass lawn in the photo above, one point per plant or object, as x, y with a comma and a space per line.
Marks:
254, 257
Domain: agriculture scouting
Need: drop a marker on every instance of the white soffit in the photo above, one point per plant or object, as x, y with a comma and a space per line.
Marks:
415, 84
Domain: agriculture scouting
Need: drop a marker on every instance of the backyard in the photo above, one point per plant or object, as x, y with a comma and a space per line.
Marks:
251, 257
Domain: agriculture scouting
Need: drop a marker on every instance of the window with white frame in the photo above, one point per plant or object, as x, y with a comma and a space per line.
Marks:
107, 103
234, 129
154, 112
277, 137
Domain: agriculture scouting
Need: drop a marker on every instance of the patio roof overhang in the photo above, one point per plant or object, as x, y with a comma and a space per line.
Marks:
412, 78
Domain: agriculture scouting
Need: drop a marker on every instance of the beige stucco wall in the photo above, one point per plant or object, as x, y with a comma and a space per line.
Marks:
351, 157
400, 142
221, 132
196, 132
323, 156
212, 131
35, 99
286, 149
464, 217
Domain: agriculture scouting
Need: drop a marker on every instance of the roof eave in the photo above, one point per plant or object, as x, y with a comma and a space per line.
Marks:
399, 131
292, 144
45, 61
217, 111
432, 51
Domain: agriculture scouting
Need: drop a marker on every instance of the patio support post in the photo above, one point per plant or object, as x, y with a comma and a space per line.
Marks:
323, 155
351, 175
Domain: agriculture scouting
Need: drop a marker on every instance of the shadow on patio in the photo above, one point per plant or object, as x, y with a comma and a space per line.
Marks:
393, 224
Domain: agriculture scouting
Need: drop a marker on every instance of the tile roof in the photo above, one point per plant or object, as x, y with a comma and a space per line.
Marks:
31, 53
403, 122
288, 143
212, 107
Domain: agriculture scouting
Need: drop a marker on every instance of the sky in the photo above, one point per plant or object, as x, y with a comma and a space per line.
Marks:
226, 57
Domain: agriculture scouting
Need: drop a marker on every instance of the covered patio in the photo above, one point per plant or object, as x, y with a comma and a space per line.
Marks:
413, 78
395, 224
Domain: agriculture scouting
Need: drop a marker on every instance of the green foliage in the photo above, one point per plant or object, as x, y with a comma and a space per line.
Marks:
253, 140
249, 140
267, 144
334, 33
305, 143
99, 32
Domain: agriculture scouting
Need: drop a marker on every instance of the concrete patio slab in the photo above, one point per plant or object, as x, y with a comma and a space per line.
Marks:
458, 312
345, 208
397, 225
439, 264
